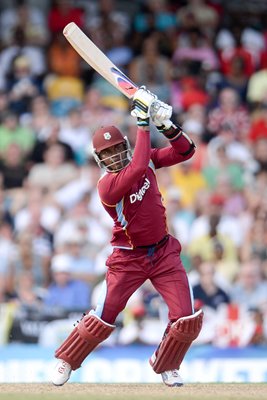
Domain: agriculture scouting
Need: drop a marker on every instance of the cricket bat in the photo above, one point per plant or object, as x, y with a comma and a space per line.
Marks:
98, 60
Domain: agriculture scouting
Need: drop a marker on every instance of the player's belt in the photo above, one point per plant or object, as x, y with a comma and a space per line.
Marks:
155, 245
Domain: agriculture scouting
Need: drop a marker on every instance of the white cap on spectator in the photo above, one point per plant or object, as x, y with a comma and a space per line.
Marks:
68, 233
192, 126
251, 38
61, 263
225, 40
173, 193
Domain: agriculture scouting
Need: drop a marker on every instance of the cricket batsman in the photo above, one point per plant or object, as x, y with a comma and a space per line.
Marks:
142, 247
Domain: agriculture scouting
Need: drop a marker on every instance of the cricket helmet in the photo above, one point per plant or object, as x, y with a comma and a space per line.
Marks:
108, 136
105, 137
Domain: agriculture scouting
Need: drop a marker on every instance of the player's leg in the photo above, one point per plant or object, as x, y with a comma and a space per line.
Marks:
173, 347
90, 331
184, 325
97, 325
175, 343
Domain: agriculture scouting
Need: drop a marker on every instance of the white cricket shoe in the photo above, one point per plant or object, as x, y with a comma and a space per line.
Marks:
172, 378
61, 373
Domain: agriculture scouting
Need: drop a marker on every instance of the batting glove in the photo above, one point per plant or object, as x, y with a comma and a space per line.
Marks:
161, 114
142, 102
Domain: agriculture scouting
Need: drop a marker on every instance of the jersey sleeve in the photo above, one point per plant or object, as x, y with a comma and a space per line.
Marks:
181, 149
113, 186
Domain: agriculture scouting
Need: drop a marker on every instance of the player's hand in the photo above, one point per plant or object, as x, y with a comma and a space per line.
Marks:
161, 114
142, 102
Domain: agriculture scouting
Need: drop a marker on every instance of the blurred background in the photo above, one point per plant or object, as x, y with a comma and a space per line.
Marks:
208, 59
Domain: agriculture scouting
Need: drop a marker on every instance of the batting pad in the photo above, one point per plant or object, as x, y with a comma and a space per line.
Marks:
175, 345
90, 331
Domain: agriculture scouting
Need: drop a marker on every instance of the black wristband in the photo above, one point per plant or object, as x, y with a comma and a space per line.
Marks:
172, 133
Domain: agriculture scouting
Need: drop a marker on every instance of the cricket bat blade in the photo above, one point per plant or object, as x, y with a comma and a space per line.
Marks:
98, 60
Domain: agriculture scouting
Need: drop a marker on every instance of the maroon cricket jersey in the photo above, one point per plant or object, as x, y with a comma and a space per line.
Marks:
132, 197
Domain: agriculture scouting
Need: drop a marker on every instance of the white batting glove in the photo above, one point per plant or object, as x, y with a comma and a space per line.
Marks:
142, 102
161, 114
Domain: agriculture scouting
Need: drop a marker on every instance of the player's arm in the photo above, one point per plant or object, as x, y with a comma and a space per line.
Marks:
115, 186
182, 147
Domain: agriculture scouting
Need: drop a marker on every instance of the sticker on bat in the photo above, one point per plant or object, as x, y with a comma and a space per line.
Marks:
125, 83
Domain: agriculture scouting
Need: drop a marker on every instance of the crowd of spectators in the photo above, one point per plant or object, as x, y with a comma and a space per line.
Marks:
208, 59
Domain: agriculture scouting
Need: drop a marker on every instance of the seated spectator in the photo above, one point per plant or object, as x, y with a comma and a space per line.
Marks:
230, 47
28, 293
63, 12
227, 268
205, 245
198, 13
21, 14
250, 289
213, 222
22, 85
229, 111
13, 170
207, 292
155, 16
75, 244
96, 113
34, 224
193, 47
195, 129
36, 212
79, 201
120, 52
100, 23
179, 217
20, 47
55, 165
152, 69
33, 254
64, 93
49, 135
12, 132
257, 87
39, 115
70, 194
187, 90
236, 78
255, 240
195, 114
228, 161
64, 291
188, 180
80, 218
74, 133
62, 58
253, 41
